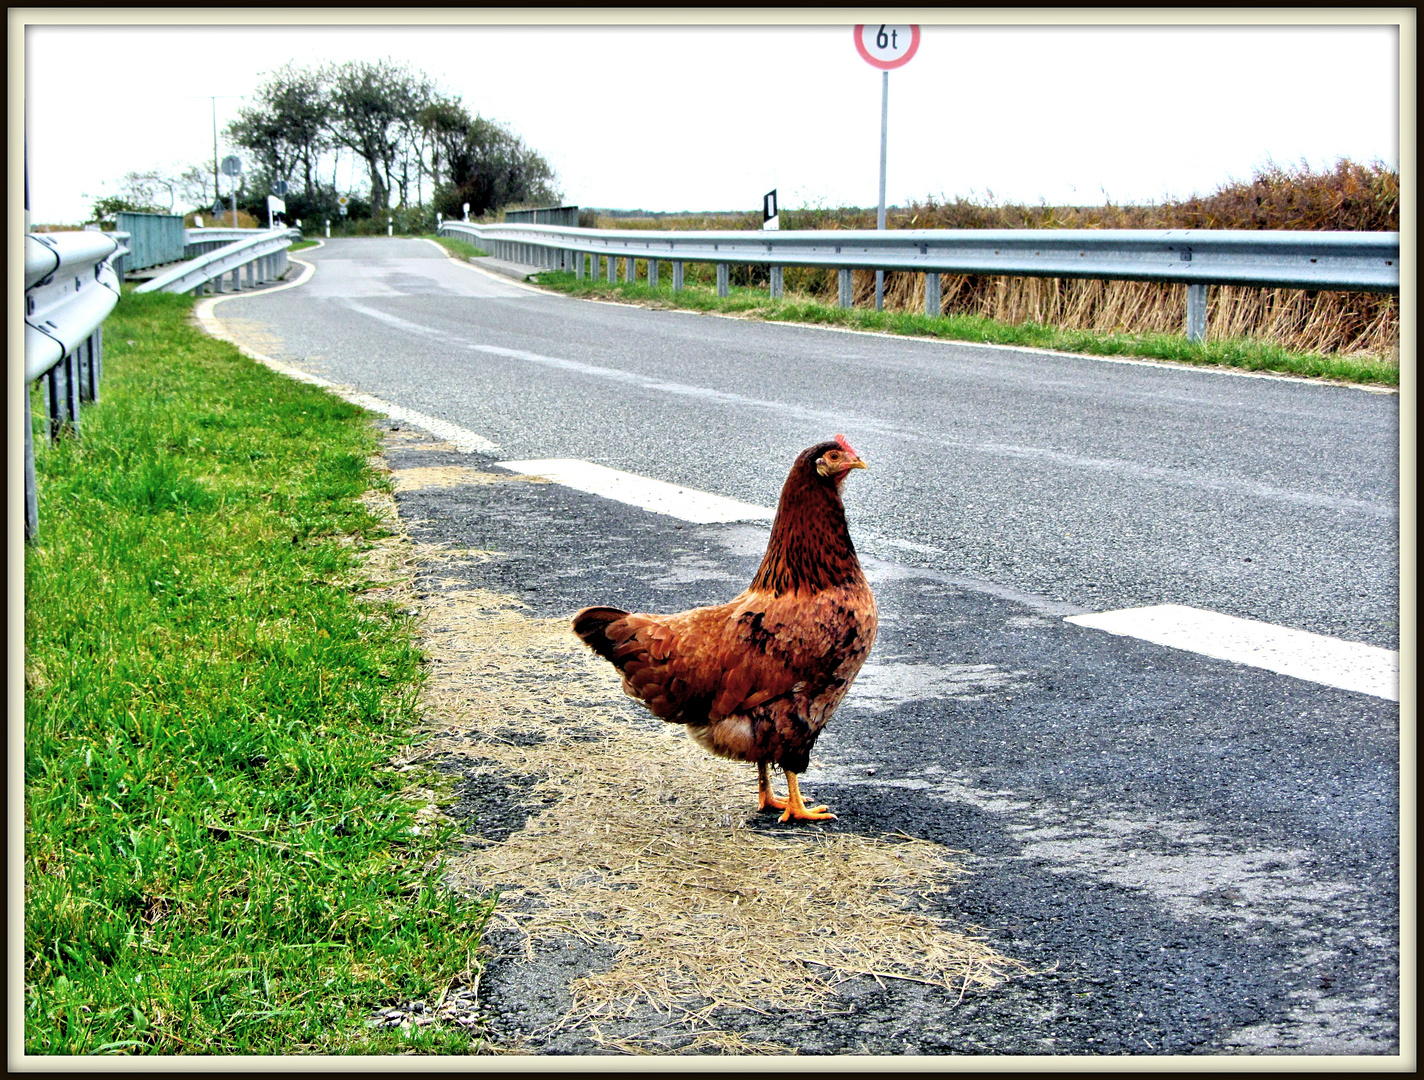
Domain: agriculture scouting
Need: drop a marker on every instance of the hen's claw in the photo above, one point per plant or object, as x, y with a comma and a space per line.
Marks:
766, 797
796, 809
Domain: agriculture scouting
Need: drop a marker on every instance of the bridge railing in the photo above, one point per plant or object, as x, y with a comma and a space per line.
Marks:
1347, 261
231, 254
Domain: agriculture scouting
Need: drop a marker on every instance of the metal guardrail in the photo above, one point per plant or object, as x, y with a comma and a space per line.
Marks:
1347, 261
70, 288
201, 241
544, 215
262, 254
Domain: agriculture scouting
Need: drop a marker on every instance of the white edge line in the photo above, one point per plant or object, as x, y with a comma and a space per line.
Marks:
504, 278
464, 440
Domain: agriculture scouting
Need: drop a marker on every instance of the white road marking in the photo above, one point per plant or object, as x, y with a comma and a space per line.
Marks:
463, 439
686, 504
1348, 665
830, 420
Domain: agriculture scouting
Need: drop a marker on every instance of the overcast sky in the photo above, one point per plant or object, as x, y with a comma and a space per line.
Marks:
710, 117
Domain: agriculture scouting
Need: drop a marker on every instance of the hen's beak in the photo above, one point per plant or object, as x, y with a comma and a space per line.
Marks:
857, 464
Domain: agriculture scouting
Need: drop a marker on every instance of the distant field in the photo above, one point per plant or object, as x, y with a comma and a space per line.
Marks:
1349, 197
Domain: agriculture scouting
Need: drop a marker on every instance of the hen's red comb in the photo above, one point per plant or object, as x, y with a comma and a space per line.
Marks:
841, 440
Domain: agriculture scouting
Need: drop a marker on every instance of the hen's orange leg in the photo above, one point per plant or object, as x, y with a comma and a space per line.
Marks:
766, 798
796, 810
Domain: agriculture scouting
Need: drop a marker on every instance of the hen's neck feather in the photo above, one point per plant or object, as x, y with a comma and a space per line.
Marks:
810, 547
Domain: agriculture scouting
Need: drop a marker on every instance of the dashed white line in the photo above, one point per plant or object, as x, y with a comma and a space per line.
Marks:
463, 439
1349, 665
658, 496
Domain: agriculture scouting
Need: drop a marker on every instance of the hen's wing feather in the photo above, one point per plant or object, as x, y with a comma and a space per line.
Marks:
698, 665
702, 665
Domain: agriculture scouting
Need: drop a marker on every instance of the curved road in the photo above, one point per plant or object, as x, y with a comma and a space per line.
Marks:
1208, 851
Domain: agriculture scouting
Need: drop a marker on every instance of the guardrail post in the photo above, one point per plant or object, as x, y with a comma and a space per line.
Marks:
578, 265
1196, 312
237, 279
722, 279
677, 275
87, 358
845, 290
62, 391
630, 270
251, 275
83, 368
776, 286
96, 361
612, 270
32, 506
652, 273
933, 304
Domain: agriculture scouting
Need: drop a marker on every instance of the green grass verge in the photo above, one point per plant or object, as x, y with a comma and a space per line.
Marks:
1237, 353
302, 245
218, 857
459, 248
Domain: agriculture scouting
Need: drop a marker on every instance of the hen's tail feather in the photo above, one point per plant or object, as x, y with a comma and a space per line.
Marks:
591, 625
639, 646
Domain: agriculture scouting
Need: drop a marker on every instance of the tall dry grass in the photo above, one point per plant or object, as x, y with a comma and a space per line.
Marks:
1347, 197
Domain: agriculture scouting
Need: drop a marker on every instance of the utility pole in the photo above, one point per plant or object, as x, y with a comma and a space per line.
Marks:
215, 145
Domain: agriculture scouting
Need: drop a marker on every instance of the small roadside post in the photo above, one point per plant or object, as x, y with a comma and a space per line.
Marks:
274, 200
771, 221
467, 213
341, 203
885, 47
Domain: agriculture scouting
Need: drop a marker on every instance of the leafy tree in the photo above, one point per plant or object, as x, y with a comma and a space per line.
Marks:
489, 167
374, 110
288, 128
401, 128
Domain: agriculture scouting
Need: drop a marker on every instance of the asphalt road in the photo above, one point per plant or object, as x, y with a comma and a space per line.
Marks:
1102, 485
1208, 852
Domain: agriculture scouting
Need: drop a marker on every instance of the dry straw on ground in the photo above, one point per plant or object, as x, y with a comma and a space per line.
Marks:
648, 846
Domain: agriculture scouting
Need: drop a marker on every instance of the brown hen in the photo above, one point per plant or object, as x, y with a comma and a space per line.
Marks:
757, 678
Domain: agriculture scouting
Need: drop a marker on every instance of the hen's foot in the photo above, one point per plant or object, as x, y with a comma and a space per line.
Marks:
766, 797
796, 809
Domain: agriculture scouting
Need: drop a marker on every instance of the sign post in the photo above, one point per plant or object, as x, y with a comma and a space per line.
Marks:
232, 166
885, 47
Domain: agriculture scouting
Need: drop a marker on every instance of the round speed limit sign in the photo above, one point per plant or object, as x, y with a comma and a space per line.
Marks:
887, 47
